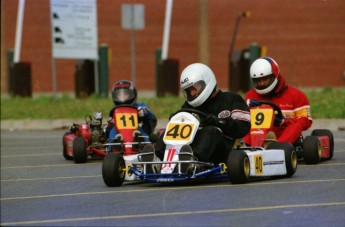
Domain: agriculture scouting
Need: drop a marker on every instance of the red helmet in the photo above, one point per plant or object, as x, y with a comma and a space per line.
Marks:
123, 92
264, 67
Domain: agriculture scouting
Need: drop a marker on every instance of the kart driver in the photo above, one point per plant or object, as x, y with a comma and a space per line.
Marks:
269, 85
227, 118
125, 92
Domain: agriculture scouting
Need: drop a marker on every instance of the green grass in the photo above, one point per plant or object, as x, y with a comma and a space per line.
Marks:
326, 103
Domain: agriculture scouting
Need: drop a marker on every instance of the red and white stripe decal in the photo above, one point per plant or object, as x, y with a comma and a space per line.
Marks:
171, 153
240, 115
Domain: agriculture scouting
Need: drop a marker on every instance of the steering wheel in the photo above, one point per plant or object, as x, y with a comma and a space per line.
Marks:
201, 116
88, 119
125, 105
275, 108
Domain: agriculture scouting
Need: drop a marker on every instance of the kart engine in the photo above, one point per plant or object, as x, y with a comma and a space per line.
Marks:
97, 134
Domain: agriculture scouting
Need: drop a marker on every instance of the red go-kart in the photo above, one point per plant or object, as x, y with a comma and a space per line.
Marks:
88, 140
312, 149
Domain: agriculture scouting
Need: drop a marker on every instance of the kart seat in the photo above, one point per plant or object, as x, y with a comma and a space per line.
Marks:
269, 138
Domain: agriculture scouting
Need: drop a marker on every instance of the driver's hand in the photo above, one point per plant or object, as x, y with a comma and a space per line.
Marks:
74, 128
110, 120
211, 120
253, 103
142, 111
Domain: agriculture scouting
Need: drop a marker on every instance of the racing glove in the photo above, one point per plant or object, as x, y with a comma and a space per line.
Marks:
142, 111
278, 120
212, 120
253, 103
110, 120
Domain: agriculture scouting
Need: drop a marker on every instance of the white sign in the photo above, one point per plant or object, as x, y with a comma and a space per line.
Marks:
74, 29
133, 16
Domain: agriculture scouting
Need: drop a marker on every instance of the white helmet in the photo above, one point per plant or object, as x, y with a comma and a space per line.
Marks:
264, 67
199, 78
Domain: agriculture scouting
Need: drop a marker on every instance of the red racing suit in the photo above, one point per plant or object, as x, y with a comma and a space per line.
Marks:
295, 108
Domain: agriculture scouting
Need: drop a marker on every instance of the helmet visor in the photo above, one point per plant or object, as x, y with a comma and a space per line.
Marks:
262, 83
193, 91
122, 95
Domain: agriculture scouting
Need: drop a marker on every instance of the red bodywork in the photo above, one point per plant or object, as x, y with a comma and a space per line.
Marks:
125, 122
261, 124
262, 118
326, 147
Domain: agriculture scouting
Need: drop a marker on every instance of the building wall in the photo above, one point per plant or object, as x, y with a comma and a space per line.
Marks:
305, 37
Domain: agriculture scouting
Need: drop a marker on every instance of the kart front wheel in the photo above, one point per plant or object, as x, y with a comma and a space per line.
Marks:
238, 167
79, 150
113, 170
329, 134
290, 156
312, 150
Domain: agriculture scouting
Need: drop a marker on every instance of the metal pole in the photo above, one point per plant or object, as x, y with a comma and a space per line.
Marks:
19, 28
234, 33
166, 34
133, 46
233, 39
54, 77
95, 69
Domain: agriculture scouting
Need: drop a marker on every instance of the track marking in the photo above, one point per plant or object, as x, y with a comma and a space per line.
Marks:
46, 166
24, 147
49, 178
245, 209
169, 188
321, 164
28, 155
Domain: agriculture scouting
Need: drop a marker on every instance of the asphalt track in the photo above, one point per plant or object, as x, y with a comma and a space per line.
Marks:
40, 188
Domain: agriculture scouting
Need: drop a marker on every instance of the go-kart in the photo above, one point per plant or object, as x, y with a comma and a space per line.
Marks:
242, 162
89, 141
312, 149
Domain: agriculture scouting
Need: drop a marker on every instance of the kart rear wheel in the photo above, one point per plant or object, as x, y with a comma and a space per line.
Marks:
113, 170
290, 156
238, 167
64, 147
329, 134
79, 150
312, 150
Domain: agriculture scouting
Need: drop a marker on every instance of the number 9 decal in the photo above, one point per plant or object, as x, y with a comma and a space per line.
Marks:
259, 118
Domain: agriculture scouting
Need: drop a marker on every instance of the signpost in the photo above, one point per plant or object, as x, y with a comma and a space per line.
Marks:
74, 32
133, 19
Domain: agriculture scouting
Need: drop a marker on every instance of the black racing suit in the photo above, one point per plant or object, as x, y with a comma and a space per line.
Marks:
211, 144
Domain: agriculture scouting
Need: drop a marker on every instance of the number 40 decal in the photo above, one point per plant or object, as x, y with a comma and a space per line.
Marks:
179, 131
258, 164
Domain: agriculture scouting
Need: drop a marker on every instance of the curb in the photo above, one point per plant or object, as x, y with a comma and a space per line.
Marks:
60, 124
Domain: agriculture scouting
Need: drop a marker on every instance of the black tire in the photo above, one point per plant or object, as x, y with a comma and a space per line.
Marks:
64, 147
113, 172
79, 150
311, 150
290, 156
329, 134
238, 167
